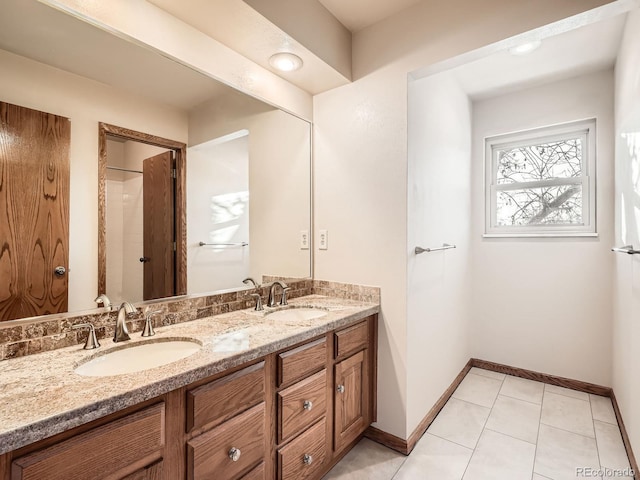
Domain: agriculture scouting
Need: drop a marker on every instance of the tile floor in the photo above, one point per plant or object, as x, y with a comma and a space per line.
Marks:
496, 427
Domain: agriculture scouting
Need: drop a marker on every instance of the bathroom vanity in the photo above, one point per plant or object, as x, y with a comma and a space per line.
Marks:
262, 399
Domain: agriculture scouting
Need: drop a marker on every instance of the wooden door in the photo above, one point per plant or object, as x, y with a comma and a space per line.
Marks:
158, 229
351, 399
34, 212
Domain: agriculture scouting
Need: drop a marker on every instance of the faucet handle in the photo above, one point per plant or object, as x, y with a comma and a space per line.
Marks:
92, 341
148, 326
283, 299
258, 298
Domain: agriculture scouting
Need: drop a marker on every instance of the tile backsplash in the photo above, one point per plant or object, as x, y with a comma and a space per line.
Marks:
28, 338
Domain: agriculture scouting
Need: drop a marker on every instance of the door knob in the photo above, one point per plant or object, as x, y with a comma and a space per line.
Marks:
234, 454
144, 259
60, 271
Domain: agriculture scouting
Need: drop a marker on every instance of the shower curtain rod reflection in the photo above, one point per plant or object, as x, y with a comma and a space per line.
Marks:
120, 169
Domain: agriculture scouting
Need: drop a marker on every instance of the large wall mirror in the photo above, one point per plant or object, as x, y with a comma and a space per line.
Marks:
106, 105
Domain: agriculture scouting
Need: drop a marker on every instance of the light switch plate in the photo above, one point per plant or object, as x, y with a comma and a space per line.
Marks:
304, 239
323, 243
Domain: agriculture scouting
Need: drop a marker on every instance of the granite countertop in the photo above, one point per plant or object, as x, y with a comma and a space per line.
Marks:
41, 395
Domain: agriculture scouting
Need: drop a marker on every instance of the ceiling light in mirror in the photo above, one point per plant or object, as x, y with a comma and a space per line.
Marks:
285, 62
525, 48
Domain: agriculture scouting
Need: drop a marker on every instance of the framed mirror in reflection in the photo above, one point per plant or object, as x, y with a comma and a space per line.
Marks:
237, 207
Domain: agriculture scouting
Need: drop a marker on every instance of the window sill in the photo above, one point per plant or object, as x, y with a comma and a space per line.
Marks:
539, 235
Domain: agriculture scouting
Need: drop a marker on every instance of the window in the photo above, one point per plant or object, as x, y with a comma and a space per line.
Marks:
541, 182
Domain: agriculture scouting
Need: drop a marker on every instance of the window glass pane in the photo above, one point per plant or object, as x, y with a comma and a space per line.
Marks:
558, 205
540, 161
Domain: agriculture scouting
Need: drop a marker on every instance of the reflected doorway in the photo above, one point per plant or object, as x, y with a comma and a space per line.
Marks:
142, 216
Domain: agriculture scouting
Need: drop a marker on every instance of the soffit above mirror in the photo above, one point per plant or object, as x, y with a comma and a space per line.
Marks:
36, 31
238, 26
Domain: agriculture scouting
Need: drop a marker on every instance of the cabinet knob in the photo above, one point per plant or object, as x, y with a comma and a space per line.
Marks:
234, 454
340, 388
307, 405
307, 459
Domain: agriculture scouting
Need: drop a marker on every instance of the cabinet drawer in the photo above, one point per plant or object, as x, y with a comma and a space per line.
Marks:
217, 401
209, 454
351, 339
303, 457
301, 361
301, 404
255, 474
151, 472
98, 452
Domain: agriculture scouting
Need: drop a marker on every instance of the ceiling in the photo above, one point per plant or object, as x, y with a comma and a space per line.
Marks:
586, 49
39, 32
359, 14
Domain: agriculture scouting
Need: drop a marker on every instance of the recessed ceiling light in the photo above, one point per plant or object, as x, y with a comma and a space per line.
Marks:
285, 62
525, 48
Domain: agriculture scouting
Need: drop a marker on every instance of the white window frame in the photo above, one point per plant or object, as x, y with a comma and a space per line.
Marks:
583, 128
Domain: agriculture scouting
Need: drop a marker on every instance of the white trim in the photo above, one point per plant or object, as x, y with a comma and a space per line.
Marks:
539, 235
584, 129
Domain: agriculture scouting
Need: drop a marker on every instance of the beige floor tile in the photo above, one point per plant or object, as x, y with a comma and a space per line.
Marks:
500, 457
367, 461
568, 414
516, 418
478, 389
460, 422
567, 392
602, 409
610, 446
560, 453
522, 389
487, 373
435, 458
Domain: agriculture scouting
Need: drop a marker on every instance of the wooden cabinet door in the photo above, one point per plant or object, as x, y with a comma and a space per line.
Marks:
352, 399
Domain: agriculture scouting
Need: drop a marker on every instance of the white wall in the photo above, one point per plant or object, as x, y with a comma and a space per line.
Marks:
218, 211
86, 102
360, 159
438, 284
626, 320
279, 179
545, 303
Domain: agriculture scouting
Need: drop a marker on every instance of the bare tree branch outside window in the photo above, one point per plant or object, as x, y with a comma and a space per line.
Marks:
525, 196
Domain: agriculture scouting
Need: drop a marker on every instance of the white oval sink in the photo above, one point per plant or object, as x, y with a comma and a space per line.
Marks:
297, 314
138, 357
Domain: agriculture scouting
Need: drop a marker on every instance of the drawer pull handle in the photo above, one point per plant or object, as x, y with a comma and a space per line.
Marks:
234, 454
307, 459
340, 388
307, 405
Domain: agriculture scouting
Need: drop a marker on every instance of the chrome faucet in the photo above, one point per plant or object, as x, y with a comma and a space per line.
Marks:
249, 280
122, 333
104, 300
272, 293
